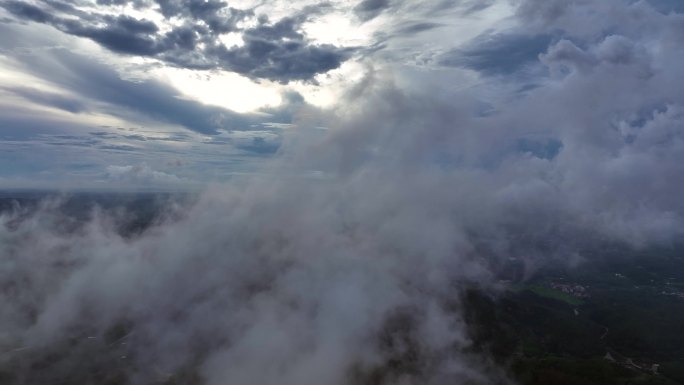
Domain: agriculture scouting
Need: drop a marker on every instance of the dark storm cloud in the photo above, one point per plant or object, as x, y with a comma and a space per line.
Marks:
216, 15
135, 3
28, 11
275, 51
499, 54
370, 9
122, 34
413, 28
280, 53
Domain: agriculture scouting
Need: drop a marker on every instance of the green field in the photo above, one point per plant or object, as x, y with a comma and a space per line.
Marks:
546, 336
548, 292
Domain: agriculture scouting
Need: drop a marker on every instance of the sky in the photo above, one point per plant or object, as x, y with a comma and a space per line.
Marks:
173, 94
169, 94
360, 165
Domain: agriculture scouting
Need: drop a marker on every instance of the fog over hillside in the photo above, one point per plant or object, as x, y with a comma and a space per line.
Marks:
344, 259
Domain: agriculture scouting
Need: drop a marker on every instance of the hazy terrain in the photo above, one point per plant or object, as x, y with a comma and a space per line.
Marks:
616, 320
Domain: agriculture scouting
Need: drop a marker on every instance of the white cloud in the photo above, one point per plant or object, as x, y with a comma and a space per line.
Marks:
140, 174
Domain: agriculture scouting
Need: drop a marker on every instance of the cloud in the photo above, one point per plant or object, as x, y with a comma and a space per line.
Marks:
28, 11
261, 144
502, 54
122, 34
667, 6
278, 52
274, 51
99, 87
417, 27
215, 14
140, 174
369, 9
66, 103
345, 259
270, 289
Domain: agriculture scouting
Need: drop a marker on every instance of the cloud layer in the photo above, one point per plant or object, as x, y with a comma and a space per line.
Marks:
343, 260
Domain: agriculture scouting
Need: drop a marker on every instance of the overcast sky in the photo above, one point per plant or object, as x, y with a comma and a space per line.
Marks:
150, 93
